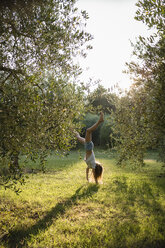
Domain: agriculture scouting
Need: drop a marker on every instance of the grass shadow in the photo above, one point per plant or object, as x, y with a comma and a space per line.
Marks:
133, 199
19, 236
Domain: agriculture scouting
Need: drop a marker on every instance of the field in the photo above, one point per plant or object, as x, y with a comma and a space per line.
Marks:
60, 209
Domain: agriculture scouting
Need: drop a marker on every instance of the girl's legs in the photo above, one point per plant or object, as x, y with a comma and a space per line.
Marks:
88, 136
87, 174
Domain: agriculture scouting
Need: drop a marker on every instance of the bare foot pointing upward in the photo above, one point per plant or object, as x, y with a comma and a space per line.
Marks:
101, 117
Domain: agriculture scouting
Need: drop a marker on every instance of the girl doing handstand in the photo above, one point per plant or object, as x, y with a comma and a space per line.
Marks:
97, 169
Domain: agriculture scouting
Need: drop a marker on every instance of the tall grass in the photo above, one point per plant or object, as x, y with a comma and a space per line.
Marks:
60, 209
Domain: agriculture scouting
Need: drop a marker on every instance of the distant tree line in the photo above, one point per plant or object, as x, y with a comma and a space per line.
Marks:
100, 100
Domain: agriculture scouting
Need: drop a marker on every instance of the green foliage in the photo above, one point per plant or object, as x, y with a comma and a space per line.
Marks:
101, 100
106, 139
40, 34
39, 99
151, 75
152, 13
43, 124
102, 135
130, 129
140, 115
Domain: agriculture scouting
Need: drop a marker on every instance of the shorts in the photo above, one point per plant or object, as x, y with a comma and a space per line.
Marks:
89, 146
91, 161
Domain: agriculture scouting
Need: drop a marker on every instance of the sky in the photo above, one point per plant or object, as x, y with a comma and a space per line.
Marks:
113, 26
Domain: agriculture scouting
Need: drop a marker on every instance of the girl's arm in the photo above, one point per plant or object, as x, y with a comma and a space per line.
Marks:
87, 172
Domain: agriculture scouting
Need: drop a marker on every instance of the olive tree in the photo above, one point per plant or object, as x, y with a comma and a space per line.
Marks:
140, 115
39, 99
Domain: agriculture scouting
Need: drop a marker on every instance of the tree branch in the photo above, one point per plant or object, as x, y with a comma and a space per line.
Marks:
6, 78
3, 68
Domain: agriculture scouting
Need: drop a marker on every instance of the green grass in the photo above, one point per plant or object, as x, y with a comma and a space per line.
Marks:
59, 209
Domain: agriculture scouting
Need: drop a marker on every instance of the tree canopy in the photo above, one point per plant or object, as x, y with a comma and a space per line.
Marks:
101, 99
38, 35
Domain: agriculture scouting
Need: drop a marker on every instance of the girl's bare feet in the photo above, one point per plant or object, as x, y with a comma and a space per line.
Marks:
101, 117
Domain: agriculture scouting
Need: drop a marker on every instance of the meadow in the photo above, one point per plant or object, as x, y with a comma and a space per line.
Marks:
60, 209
